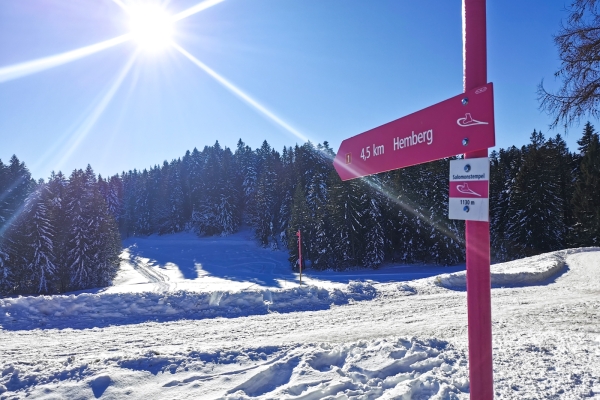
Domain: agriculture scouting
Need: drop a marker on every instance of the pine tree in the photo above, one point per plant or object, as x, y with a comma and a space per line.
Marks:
169, 202
228, 215
16, 184
504, 168
40, 239
588, 136
56, 203
143, 203
78, 237
299, 222
536, 222
586, 196
409, 190
375, 236
346, 207
3, 193
286, 188
196, 184
104, 243
267, 199
114, 197
6, 283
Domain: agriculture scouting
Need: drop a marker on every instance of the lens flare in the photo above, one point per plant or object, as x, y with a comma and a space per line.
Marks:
238, 92
195, 9
30, 67
87, 125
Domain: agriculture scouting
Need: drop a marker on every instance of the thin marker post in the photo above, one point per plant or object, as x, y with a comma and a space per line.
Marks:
300, 253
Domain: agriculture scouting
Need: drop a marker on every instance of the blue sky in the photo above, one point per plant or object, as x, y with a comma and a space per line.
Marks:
328, 69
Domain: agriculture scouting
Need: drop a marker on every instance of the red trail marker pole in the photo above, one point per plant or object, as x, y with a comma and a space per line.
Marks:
477, 232
300, 253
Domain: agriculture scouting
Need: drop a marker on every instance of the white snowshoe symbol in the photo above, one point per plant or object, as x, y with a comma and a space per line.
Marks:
464, 188
469, 121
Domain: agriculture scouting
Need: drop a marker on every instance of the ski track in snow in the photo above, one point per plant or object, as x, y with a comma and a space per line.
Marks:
392, 340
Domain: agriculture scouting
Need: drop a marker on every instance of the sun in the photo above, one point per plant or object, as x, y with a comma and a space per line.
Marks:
151, 26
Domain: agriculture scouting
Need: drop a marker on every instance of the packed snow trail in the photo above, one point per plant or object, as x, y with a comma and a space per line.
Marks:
546, 345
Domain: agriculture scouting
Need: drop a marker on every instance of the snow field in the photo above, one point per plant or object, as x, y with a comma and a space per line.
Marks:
400, 339
383, 368
524, 272
87, 310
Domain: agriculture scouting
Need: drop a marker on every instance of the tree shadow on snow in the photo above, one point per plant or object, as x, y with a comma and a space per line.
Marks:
225, 258
163, 257
386, 274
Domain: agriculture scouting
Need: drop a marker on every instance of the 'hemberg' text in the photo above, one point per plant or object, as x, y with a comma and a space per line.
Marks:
412, 139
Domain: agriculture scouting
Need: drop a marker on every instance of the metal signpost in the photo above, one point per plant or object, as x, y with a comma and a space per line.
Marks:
477, 233
462, 124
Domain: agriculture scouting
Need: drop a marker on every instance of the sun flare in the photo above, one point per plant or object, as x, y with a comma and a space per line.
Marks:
151, 27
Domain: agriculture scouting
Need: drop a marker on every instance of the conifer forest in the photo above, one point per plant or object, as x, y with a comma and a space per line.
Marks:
64, 234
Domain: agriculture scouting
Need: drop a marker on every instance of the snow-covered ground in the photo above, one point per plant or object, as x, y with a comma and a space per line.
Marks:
221, 318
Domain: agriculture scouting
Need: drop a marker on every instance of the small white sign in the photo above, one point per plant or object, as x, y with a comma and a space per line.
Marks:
469, 189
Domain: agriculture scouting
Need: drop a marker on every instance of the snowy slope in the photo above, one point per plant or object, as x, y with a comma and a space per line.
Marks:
242, 330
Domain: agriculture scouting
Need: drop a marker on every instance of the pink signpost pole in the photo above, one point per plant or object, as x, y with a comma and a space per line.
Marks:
300, 253
477, 233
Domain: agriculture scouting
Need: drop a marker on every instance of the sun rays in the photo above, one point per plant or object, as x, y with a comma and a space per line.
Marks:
142, 26
31, 67
87, 125
239, 93
153, 29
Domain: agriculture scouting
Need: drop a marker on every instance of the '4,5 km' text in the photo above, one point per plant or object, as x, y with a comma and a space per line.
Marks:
365, 152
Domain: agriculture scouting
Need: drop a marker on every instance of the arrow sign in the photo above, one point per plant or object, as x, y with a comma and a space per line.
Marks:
464, 123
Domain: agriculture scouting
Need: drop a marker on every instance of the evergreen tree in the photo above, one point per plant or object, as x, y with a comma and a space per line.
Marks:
40, 233
586, 195
503, 171
375, 235
228, 215
346, 207
15, 186
588, 136
299, 222
56, 203
535, 217
80, 261
104, 242
286, 186
6, 282
265, 201
114, 197
563, 166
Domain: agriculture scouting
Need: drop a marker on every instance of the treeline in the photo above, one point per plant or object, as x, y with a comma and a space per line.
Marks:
544, 198
60, 235
55, 236
399, 216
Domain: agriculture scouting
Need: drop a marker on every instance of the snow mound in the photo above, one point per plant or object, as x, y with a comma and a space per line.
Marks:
88, 310
398, 368
524, 272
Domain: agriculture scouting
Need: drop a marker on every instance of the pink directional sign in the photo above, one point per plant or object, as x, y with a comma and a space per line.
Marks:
464, 123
